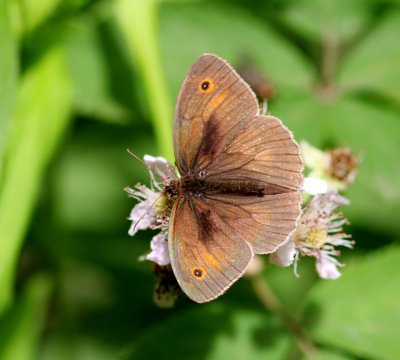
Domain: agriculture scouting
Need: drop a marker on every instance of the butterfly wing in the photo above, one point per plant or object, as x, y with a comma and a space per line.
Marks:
207, 255
220, 136
219, 132
212, 91
263, 153
263, 222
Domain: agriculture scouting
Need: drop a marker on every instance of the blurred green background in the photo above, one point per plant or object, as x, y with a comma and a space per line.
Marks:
83, 80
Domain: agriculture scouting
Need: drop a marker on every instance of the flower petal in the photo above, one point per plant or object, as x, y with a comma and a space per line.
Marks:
327, 267
161, 167
315, 186
284, 256
143, 216
159, 249
313, 157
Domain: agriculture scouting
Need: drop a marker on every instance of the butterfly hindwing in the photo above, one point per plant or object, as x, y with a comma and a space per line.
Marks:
206, 255
264, 222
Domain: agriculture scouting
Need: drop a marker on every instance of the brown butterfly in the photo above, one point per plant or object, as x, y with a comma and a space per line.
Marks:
239, 190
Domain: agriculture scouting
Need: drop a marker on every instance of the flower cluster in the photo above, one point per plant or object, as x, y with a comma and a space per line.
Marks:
152, 212
320, 229
336, 167
317, 234
152, 209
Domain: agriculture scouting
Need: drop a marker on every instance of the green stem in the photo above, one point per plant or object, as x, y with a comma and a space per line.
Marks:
137, 20
269, 300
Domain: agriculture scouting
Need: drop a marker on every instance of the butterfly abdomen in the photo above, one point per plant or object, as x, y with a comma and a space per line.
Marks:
238, 187
197, 186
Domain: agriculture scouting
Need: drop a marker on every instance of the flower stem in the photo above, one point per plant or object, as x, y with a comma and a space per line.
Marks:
269, 300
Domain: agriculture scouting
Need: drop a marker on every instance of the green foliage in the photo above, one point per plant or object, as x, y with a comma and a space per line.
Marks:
138, 24
21, 327
8, 76
40, 120
372, 65
100, 81
361, 319
30, 14
83, 80
215, 333
196, 28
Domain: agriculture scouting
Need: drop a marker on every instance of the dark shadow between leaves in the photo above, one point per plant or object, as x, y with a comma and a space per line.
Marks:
121, 77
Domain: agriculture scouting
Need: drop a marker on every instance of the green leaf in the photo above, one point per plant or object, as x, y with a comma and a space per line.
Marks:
42, 114
31, 14
327, 19
361, 312
77, 346
100, 79
91, 174
306, 116
138, 24
289, 289
193, 29
213, 332
370, 132
21, 327
373, 65
8, 76
251, 337
331, 355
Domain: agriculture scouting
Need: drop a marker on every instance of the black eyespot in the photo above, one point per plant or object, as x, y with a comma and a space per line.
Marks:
205, 85
197, 273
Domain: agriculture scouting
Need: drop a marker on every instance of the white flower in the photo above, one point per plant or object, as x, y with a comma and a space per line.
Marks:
152, 209
284, 256
317, 234
327, 267
336, 167
159, 250
143, 214
160, 168
315, 186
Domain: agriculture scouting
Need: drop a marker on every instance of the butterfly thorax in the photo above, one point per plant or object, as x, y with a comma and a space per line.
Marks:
198, 186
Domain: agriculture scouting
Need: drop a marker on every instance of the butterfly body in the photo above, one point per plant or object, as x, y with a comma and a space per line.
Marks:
239, 189
200, 187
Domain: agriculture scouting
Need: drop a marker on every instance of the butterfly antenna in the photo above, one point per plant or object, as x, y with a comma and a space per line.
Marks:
153, 180
145, 213
136, 157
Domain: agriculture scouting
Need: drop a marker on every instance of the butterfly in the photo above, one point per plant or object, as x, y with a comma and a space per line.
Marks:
238, 193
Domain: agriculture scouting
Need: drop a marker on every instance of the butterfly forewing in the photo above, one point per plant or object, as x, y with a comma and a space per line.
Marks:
264, 152
211, 101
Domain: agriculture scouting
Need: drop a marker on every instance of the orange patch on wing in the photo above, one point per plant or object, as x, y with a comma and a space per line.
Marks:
214, 103
210, 259
217, 100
